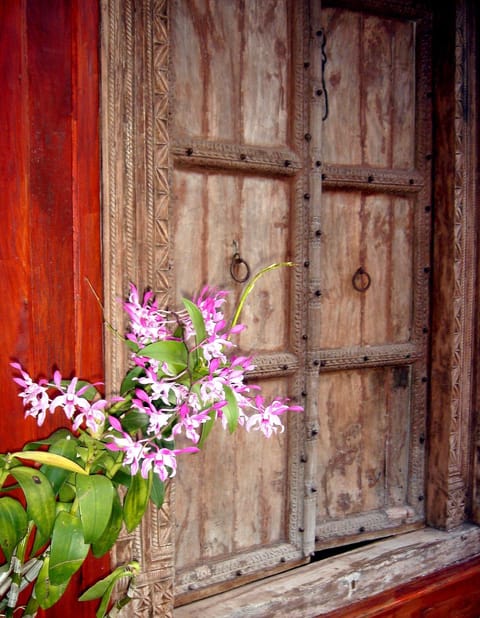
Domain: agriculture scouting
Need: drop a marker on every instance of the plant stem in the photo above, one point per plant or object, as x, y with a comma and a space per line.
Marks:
17, 562
250, 287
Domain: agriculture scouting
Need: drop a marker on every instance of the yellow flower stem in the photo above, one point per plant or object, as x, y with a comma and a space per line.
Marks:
250, 287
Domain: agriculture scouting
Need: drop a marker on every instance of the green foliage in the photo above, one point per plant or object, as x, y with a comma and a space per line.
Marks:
13, 525
68, 548
136, 500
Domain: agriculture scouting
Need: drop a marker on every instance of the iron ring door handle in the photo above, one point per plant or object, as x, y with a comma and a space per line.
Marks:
361, 280
236, 266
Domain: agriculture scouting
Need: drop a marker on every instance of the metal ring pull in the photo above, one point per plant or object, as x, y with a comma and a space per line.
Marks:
361, 280
237, 265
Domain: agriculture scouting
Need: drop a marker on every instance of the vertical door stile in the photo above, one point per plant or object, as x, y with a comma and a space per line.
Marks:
313, 197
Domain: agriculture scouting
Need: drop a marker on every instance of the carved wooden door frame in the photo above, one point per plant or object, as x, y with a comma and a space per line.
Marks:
136, 171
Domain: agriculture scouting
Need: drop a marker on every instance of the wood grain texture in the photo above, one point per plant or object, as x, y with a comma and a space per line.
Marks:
371, 94
225, 89
340, 582
237, 79
49, 177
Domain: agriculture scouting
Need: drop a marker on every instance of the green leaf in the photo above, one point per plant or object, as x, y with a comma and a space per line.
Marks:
95, 497
104, 588
111, 532
13, 525
68, 549
99, 588
60, 434
197, 320
67, 492
174, 353
135, 420
157, 494
129, 382
57, 476
136, 500
39, 495
48, 594
50, 459
206, 429
231, 409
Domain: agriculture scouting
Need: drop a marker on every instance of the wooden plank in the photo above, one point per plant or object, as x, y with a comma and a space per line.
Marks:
225, 89
14, 245
387, 254
244, 507
377, 235
267, 110
207, 72
214, 211
450, 592
340, 581
342, 137
404, 51
363, 454
341, 309
377, 63
370, 81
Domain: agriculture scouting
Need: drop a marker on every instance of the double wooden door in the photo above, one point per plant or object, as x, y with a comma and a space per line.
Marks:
301, 131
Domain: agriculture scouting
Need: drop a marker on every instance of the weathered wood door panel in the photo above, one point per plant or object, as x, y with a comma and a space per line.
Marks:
237, 185
373, 209
303, 133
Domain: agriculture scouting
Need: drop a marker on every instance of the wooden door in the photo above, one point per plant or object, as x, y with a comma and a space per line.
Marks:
238, 178
301, 131
369, 328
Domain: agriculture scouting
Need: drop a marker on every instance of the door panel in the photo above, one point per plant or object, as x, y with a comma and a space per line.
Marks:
361, 469
305, 135
371, 89
214, 211
377, 234
237, 187
371, 341
231, 92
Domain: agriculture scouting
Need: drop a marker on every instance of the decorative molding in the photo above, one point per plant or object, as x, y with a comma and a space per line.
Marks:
372, 178
373, 356
136, 173
211, 573
194, 152
463, 268
451, 441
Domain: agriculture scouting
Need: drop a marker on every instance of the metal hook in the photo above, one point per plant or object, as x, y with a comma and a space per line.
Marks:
323, 42
237, 265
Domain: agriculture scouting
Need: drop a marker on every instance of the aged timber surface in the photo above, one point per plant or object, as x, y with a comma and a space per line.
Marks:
339, 582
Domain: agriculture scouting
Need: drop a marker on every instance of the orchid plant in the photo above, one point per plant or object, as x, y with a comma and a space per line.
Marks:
71, 493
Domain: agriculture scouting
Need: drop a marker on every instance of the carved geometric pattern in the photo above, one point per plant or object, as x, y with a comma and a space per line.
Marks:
461, 355
135, 52
161, 157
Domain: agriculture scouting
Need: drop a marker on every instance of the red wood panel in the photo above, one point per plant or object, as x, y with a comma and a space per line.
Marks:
14, 240
451, 593
49, 182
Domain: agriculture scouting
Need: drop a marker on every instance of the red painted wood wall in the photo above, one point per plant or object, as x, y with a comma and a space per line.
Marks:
50, 209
